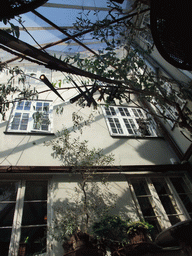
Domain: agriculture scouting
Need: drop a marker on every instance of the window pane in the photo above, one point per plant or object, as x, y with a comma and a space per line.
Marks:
8, 191
24, 121
39, 106
6, 214
16, 121
20, 105
112, 124
187, 202
36, 240
124, 111
110, 111
45, 122
179, 185
27, 105
36, 190
184, 193
140, 113
139, 187
5, 236
34, 213
130, 125
146, 207
120, 131
174, 219
113, 113
157, 229
46, 107
135, 112
167, 199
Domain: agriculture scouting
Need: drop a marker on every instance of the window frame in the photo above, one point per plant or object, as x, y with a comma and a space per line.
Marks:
160, 213
18, 215
27, 117
146, 36
169, 110
127, 125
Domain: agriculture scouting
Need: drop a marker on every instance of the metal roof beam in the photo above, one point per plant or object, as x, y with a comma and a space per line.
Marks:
39, 28
78, 34
78, 7
63, 31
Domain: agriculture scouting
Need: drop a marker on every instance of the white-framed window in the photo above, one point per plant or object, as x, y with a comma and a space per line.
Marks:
146, 34
129, 121
23, 217
162, 201
170, 111
31, 117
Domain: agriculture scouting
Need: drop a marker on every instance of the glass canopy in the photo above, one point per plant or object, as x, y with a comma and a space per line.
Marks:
42, 34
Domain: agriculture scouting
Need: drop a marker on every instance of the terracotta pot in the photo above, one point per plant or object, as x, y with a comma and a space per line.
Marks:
139, 237
22, 249
81, 244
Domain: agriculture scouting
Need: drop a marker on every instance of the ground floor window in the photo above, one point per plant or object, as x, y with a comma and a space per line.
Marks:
23, 217
162, 201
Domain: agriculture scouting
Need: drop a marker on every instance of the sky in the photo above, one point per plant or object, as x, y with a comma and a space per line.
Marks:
61, 17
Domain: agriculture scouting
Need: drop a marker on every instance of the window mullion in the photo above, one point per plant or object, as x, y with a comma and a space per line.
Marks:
158, 208
125, 132
137, 205
180, 208
17, 219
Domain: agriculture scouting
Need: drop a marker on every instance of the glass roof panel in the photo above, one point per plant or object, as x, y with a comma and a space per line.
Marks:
64, 15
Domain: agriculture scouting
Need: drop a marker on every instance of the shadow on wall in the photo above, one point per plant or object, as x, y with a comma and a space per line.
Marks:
113, 196
156, 151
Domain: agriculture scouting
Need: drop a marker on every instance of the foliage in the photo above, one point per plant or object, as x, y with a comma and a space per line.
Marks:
134, 227
111, 228
89, 202
74, 152
11, 90
122, 61
14, 30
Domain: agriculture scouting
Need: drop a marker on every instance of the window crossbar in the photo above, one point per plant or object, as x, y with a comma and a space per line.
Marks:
31, 226
35, 201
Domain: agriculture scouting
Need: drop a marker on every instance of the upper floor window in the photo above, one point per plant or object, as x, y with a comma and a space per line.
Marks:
129, 121
145, 34
31, 117
169, 111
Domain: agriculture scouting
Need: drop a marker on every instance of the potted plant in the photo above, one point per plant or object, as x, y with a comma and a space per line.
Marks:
23, 247
82, 244
111, 230
138, 231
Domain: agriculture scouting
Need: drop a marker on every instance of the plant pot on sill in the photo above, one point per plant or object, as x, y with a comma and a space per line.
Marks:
139, 237
22, 249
